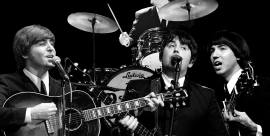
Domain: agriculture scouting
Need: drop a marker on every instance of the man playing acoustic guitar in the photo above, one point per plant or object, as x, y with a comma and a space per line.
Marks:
34, 52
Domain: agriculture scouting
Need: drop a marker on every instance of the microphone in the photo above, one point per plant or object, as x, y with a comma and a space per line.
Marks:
175, 59
57, 63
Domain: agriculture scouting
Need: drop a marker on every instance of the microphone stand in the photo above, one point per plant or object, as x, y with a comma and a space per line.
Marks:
176, 77
63, 101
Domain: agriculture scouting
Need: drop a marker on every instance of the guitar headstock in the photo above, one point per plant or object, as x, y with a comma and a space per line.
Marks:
247, 80
179, 96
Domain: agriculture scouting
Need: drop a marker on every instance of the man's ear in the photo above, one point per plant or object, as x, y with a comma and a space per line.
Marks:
191, 63
25, 56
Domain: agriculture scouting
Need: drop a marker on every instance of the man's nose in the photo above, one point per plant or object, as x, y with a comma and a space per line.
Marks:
175, 50
51, 48
215, 54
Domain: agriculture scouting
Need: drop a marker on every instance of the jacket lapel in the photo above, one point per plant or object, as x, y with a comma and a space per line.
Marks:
29, 83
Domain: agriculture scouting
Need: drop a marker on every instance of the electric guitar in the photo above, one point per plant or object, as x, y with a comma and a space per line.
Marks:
245, 84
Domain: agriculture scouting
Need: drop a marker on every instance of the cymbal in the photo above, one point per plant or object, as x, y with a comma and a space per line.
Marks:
178, 10
83, 21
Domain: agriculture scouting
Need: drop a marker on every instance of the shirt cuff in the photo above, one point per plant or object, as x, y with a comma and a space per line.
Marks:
259, 130
28, 116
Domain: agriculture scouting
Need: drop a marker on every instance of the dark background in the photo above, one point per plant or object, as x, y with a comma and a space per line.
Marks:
250, 19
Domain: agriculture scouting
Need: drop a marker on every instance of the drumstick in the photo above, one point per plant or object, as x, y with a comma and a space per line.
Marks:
115, 18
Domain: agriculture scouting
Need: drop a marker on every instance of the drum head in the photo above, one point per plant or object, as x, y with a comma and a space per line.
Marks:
152, 62
124, 75
121, 77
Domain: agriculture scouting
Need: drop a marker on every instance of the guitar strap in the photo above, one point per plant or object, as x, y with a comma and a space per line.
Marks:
156, 87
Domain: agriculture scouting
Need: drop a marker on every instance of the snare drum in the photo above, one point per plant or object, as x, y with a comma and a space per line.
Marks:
149, 46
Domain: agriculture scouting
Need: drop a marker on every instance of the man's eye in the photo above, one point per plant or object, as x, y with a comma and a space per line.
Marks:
185, 48
171, 45
222, 48
42, 43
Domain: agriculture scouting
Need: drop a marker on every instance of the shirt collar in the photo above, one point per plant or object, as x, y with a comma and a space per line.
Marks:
167, 80
233, 80
36, 80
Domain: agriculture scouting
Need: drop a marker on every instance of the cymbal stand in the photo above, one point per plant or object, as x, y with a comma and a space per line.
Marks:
93, 21
187, 7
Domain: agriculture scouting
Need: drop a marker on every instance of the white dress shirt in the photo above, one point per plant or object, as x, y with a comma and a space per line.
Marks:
167, 80
37, 82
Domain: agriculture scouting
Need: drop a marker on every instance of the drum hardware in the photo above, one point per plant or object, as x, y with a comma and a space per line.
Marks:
102, 74
94, 23
186, 10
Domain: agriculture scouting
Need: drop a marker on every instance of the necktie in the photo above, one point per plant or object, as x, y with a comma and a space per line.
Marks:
227, 94
163, 23
43, 88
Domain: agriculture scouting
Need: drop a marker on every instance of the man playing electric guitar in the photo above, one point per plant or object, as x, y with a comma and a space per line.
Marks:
199, 115
250, 113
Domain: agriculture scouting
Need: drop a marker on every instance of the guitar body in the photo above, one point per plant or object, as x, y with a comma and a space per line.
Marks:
77, 127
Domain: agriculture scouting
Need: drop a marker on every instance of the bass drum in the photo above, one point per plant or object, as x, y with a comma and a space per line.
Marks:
121, 77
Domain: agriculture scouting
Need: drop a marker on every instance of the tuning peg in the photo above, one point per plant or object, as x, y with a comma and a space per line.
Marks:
183, 103
177, 104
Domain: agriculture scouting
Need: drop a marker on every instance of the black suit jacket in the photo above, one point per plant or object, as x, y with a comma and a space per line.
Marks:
11, 84
202, 116
148, 18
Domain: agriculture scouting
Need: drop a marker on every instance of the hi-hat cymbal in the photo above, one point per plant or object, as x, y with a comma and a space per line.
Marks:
83, 21
178, 10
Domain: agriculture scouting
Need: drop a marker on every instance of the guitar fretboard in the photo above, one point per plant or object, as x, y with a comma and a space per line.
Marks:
115, 108
112, 109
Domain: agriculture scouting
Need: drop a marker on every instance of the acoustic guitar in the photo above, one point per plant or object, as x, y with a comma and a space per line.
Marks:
77, 121
78, 116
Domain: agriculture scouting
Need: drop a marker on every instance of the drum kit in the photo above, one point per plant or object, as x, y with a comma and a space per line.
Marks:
146, 61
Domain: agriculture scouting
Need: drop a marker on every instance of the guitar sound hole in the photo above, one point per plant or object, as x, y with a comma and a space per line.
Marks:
73, 119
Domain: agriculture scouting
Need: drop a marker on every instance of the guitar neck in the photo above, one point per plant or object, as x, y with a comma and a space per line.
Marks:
112, 109
116, 108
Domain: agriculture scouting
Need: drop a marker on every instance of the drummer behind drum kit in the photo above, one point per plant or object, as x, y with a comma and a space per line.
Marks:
146, 56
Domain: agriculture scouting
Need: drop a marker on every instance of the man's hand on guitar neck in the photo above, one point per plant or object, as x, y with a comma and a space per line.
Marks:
153, 101
243, 119
43, 111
